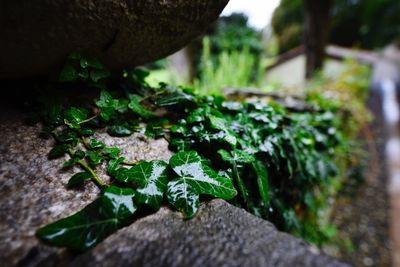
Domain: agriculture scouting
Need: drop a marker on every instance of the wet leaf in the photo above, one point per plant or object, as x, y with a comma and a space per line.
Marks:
173, 98
95, 144
196, 178
111, 152
58, 151
86, 228
79, 154
87, 132
226, 134
107, 105
71, 162
151, 180
119, 131
137, 108
262, 181
184, 197
67, 136
95, 158
74, 116
54, 114
78, 179
113, 165
236, 155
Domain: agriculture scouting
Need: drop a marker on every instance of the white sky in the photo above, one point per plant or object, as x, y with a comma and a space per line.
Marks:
258, 11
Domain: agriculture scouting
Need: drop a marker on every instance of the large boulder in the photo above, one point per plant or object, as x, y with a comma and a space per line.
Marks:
33, 194
36, 36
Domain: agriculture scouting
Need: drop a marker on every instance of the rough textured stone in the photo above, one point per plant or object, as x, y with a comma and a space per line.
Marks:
33, 189
220, 235
37, 35
33, 194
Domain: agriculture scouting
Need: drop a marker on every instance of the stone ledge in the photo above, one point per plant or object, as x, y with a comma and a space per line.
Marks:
34, 194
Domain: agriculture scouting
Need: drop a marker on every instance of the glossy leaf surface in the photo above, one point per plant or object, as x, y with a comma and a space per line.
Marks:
151, 181
236, 155
137, 108
195, 178
74, 116
78, 179
95, 222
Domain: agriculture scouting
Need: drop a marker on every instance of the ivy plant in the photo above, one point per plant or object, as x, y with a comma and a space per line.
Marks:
256, 155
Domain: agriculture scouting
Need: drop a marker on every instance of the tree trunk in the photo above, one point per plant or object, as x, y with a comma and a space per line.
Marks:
317, 22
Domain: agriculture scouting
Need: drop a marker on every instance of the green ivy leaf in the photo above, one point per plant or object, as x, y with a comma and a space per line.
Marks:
71, 162
226, 134
95, 158
113, 165
54, 114
181, 129
58, 151
137, 108
195, 178
155, 128
78, 179
267, 147
262, 181
173, 98
95, 144
151, 180
87, 132
232, 105
74, 116
97, 75
111, 152
86, 228
107, 105
180, 145
183, 197
236, 155
67, 136
80, 154
119, 130
122, 106
83, 63
121, 174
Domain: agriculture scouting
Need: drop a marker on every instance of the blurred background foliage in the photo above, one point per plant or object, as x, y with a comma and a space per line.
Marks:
355, 23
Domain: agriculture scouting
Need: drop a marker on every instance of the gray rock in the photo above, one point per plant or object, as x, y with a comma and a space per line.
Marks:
36, 36
33, 189
33, 194
220, 235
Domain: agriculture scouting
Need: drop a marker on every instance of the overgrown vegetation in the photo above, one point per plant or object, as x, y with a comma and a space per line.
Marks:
346, 96
228, 34
227, 69
273, 162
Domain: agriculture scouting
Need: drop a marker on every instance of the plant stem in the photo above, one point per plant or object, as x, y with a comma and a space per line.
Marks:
150, 96
89, 119
242, 188
130, 163
95, 178
85, 142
